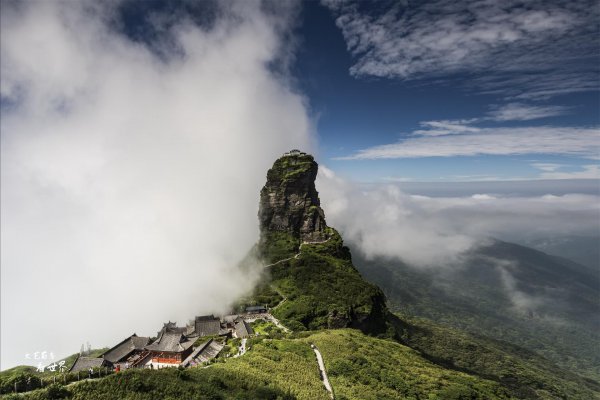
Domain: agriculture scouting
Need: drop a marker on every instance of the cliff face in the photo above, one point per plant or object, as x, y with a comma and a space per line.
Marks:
307, 260
289, 201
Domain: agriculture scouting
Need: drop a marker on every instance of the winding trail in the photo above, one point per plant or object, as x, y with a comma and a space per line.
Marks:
269, 315
296, 255
242, 349
284, 298
322, 371
279, 324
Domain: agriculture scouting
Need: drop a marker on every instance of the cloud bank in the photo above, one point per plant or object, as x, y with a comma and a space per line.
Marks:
131, 170
383, 221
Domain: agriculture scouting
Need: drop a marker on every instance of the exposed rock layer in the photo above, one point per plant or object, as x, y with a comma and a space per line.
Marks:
289, 201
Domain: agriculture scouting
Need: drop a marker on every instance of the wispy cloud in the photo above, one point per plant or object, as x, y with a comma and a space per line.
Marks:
534, 49
548, 167
445, 127
591, 171
524, 112
573, 141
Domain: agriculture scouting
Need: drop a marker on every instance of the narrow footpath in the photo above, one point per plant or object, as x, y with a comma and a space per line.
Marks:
242, 349
322, 371
299, 252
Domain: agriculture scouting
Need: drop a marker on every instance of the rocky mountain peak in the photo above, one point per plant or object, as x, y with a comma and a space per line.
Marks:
289, 201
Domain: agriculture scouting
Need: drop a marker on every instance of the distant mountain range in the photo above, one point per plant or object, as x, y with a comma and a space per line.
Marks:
509, 292
584, 250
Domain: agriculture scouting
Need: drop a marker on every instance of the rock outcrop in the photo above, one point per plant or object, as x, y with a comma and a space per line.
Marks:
308, 260
289, 201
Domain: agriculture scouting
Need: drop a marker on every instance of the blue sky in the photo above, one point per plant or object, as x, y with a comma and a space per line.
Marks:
550, 95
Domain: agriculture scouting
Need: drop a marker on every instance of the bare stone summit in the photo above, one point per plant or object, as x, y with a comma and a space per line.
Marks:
289, 201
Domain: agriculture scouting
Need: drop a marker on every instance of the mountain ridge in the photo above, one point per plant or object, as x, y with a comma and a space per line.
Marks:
548, 305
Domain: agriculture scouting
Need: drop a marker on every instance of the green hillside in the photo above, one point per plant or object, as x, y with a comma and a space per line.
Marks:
360, 367
525, 374
324, 290
555, 311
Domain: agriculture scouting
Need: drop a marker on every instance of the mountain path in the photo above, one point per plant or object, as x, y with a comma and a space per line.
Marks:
296, 255
322, 371
270, 316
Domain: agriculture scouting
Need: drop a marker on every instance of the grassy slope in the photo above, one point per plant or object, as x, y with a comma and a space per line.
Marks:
526, 374
313, 285
360, 367
23, 373
274, 369
323, 289
364, 368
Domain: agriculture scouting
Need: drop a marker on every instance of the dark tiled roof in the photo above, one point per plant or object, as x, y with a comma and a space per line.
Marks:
171, 327
205, 352
255, 308
85, 363
230, 318
126, 347
243, 329
139, 342
174, 342
206, 318
194, 354
207, 326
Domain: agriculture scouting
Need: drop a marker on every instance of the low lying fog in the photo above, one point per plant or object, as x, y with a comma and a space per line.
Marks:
425, 231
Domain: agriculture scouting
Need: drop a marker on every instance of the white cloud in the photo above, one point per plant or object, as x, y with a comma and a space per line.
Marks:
383, 221
525, 112
549, 167
551, 171
445, 127
591, 171
130, 178
522, 302
573, 141
532, 50
484, 197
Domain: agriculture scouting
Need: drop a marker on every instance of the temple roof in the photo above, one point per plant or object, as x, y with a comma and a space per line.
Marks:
243, 329
255, 308
126, 347
207, 325
85, 363
172, 328
174, 342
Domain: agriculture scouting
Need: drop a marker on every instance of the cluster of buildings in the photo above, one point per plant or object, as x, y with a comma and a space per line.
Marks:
294, 152
173, 346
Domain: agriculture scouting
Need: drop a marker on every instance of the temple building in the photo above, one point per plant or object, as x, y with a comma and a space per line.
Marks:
208, 325
242, 329
83, 363
294, 152
170, 349
173, 346
256, 309
127, 352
